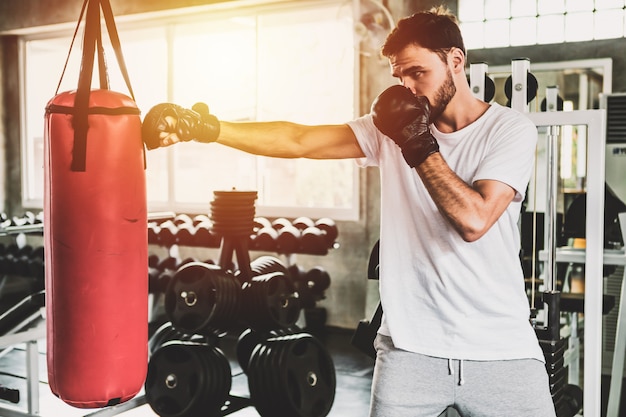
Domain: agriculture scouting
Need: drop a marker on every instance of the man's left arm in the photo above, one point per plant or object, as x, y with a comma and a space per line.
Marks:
471, 210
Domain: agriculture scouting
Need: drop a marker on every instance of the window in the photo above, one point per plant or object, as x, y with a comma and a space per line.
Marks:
501, 23
292, 62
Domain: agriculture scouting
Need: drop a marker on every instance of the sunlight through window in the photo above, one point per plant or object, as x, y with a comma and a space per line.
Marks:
295, 62
532, 22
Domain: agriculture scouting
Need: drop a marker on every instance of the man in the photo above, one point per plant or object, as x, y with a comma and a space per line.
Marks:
454, 171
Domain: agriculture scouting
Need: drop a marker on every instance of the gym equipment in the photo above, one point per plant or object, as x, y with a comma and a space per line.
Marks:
246, 342
365, 333
95, 239
187, 379
520, 88
167, 233
23, 324
203, 301
552, 100
283, 236
303, 222
267, 264
313, 241
270, 301
592, 256
549, 335
163, 334
204, 237
264, 239
202, 298
481, 85
288, 239
291, 376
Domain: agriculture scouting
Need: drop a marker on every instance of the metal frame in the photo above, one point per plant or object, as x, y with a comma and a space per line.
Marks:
595, 120
31, 338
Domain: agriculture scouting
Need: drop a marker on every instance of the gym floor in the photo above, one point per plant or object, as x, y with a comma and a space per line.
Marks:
353, 372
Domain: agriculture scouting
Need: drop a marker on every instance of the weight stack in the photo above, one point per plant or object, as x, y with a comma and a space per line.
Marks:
553, 351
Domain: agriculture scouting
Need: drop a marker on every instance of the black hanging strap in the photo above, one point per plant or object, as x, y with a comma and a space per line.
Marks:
92, 45
80, 119
115, 42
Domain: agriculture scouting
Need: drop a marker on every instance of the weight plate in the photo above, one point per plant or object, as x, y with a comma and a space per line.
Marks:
176, 381
191, 296
307, 373
282, 301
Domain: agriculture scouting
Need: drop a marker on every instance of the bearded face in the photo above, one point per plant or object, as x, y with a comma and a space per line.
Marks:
442, 96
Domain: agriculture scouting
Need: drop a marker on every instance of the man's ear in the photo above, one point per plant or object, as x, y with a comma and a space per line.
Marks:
457, 59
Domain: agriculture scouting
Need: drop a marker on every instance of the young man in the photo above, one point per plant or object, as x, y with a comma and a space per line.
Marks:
454, 171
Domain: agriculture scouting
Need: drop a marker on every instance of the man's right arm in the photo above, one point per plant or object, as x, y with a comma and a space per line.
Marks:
167, 124
291, 140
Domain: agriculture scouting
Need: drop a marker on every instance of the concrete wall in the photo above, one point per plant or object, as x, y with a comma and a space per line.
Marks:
351, 297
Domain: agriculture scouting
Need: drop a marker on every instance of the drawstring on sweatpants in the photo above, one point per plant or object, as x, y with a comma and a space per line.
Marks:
451, 370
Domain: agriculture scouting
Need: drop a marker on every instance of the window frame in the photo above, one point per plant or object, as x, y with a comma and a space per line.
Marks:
165, 20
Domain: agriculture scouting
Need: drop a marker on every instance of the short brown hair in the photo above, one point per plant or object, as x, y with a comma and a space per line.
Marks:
436, 29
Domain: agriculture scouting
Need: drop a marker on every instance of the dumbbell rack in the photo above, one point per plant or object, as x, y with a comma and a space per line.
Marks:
194, 315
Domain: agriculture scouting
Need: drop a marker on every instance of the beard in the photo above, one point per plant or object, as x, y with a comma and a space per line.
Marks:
444, 94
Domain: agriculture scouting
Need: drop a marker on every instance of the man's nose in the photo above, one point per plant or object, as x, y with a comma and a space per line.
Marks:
408, 85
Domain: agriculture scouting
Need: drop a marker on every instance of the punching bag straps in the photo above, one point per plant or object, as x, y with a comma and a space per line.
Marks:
80, 120
117, 47
115, 42
102, 64
67, 59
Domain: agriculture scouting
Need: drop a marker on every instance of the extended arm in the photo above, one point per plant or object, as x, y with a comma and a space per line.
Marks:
291, 140
167, 124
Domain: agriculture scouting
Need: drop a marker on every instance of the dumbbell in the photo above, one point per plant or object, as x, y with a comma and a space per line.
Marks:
185, 234
288, 239
182, 218
153, 233
160, 272
303, 223
203, 236
200, 218
313, 241
329, 228
264, 239
311, 285
261, 222
167, 233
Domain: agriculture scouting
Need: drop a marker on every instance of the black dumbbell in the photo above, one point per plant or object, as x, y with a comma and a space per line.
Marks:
329, 228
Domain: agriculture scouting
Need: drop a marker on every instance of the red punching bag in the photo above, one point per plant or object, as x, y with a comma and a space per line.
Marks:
95, 232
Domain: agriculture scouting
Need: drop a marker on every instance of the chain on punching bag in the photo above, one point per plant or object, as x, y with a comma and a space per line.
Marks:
95, 231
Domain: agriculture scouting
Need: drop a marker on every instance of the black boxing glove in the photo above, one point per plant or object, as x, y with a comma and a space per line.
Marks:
405, 119
166, 119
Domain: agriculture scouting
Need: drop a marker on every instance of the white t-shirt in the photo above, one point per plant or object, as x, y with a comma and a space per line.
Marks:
442, 296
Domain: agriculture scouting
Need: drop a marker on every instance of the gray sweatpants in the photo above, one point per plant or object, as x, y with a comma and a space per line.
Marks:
408, 384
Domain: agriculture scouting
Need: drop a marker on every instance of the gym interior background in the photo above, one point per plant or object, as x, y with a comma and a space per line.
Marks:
34, 34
